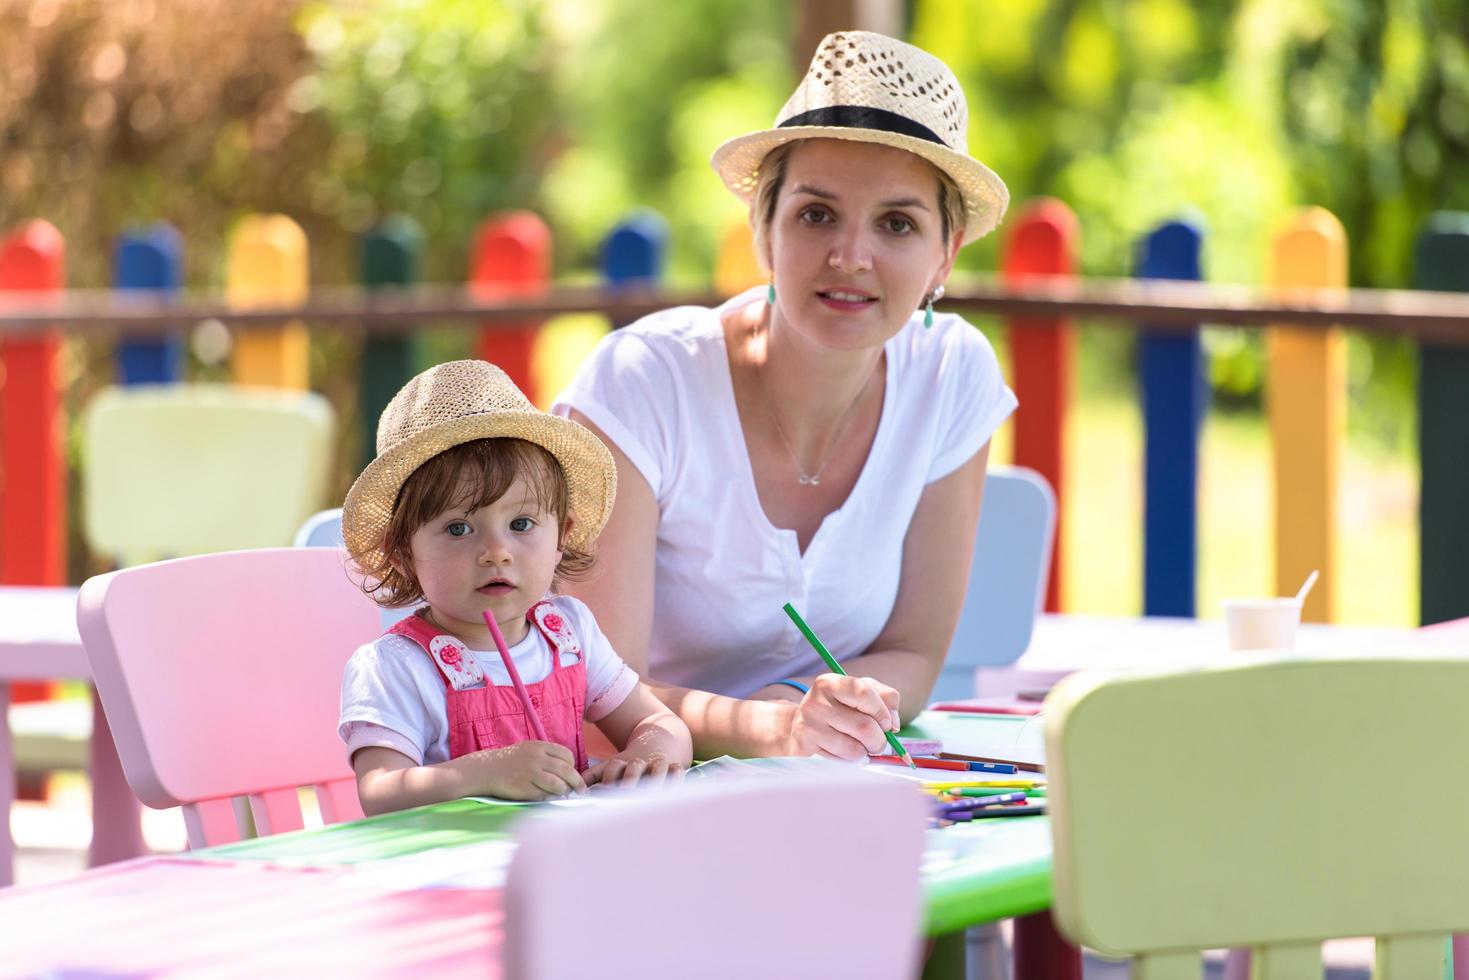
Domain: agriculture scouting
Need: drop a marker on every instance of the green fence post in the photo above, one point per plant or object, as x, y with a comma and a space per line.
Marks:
1442, 263
391, 256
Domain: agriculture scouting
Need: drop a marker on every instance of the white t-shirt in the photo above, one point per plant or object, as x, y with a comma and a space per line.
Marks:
661, 390
393, 693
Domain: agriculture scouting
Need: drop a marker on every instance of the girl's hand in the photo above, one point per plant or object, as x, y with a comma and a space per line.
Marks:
627, 770
531, 771
844, 718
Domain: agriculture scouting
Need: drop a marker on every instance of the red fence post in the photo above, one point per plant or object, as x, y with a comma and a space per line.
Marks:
32, 470
512, 258
1042, 242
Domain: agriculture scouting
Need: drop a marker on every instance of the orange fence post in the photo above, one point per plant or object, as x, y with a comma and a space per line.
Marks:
512, 259
736, 267
32, 470
1043, 241
1306, 394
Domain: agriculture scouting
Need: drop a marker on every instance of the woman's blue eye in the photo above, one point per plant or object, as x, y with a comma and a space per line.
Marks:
457, 529
899, 225
815, 215
522, 524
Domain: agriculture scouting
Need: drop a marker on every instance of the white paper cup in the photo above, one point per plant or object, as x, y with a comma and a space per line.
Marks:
1262, 624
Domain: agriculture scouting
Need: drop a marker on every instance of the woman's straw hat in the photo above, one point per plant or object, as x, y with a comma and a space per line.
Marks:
874, 89
459, 402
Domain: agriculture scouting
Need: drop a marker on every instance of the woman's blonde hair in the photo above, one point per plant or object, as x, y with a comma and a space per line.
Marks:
773, 176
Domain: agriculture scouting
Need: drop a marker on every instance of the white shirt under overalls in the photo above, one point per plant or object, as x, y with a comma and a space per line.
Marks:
393, 692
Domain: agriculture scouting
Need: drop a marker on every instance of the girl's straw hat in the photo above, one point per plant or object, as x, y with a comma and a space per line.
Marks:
874, 89
459, 402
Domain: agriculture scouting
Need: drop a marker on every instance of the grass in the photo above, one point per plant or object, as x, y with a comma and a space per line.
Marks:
1377, 542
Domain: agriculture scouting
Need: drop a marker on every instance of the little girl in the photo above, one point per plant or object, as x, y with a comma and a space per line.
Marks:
478, 502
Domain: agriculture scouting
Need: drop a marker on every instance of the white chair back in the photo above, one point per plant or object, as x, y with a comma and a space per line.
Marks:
799, 876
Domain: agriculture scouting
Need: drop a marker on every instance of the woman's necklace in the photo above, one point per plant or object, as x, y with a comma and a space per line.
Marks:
802, 477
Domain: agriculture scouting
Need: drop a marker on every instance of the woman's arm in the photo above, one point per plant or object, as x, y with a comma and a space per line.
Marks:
654, 744
388, 780
620, 595
937, 555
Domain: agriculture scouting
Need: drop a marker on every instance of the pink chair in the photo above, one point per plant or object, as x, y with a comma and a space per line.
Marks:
813, 877
221, 676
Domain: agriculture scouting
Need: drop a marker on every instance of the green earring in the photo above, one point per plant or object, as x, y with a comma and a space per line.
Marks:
938, 293
770, 293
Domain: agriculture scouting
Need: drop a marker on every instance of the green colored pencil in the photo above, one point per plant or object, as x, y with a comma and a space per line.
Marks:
836, 668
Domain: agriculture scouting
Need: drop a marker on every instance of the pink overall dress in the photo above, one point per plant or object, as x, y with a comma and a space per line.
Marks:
487, 716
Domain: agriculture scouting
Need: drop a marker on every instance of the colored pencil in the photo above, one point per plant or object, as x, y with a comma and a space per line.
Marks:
1003, 783
836, 668
921, 763
530, 709
994, 760
960, 708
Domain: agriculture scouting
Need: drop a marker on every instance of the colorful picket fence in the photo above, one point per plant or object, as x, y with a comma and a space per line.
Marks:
511, 258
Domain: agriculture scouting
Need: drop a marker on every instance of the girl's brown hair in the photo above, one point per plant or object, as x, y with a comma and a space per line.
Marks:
468, 476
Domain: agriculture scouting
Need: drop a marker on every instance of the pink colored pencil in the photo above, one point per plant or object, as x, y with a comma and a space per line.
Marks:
530, 709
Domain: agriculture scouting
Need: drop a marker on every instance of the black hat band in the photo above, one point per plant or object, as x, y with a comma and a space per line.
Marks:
863, 117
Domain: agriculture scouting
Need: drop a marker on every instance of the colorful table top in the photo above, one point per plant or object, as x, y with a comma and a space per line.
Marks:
420, 889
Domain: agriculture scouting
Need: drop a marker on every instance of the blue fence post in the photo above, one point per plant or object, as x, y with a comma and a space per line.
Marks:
632, 252
1174, 397
150, 259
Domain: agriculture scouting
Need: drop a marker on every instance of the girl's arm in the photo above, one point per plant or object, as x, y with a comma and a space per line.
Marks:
848, 711
937, 555
388, 780
654, 743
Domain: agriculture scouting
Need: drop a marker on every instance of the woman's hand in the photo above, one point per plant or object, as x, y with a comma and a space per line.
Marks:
630, 768
844, 718
529, 771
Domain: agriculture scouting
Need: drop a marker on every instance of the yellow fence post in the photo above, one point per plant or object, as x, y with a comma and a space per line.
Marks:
268, 266
1306, 398
736, 268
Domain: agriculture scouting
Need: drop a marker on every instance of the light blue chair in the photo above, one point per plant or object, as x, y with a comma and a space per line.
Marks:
321, 530
324, 530
1007, 581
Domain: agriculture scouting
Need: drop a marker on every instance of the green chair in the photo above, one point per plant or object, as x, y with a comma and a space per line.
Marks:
1269, 803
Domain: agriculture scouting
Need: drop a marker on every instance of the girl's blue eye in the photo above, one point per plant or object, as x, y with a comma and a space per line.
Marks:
522, 524
457, 529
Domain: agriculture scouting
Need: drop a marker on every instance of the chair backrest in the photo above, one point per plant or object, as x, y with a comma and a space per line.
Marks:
324, 530
176, 470
1271, 803
694, 862
221, 676
1007, 580
321, 530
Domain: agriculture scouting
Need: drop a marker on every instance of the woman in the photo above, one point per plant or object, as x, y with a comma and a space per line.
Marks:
821, 441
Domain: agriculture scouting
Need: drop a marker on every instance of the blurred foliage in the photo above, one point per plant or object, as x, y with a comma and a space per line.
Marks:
647, 90
338, 113
1132, 112
441, 110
